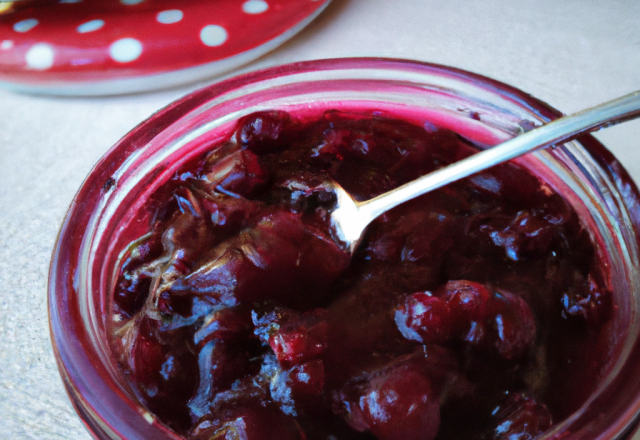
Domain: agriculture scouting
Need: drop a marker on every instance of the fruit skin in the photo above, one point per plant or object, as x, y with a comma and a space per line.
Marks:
294, 337
468, 311
521, 418
398, 403
220, 362
299, 390
264, 132
163, 370
280, 258
528, 235
240, 172
588, 302
249, 423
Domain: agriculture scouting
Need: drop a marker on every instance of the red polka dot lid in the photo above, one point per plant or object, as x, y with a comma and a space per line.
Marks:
117, 46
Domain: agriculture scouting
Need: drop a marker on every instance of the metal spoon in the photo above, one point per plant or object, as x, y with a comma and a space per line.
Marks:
350, 217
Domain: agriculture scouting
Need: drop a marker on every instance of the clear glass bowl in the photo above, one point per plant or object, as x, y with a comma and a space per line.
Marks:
105, 215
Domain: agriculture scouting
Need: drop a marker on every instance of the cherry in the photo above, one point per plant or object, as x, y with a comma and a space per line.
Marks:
307, 379
185, 237
229, 214
280, 258
299, 387
132, 291
137, 274
305, 194
224, 324
393, 404
240, 173
220, 362
469, 311
521, 418
412, 235
163, 373
425, 318
330, 150
264, 132
587, 301
529, 234
248, 423
294, 337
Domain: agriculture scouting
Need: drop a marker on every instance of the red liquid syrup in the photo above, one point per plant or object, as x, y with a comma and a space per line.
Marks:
474, 311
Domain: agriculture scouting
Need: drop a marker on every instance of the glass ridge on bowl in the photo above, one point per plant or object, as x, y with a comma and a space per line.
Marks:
104, 216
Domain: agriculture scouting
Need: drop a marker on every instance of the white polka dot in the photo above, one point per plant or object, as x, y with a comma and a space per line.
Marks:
125, 50
25, 25
255, 6
40, 56
169, 16
90, 26
131, 2
6, 45
213, 35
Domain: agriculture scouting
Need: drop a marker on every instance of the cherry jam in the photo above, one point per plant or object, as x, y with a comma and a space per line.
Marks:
474, 311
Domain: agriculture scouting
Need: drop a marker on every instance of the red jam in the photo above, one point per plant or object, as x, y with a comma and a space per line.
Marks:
474, 311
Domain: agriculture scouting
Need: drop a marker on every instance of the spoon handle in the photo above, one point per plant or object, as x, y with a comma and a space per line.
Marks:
564, 129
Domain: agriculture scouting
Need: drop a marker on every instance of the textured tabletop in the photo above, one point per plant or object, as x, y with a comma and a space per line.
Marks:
569, 53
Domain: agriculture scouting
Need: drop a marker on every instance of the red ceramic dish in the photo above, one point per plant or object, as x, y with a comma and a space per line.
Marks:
122, 46
92, 236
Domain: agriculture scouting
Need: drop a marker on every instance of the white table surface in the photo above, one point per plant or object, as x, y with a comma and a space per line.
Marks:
569, 53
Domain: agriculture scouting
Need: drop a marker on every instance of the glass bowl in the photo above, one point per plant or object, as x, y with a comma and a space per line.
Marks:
105, 215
